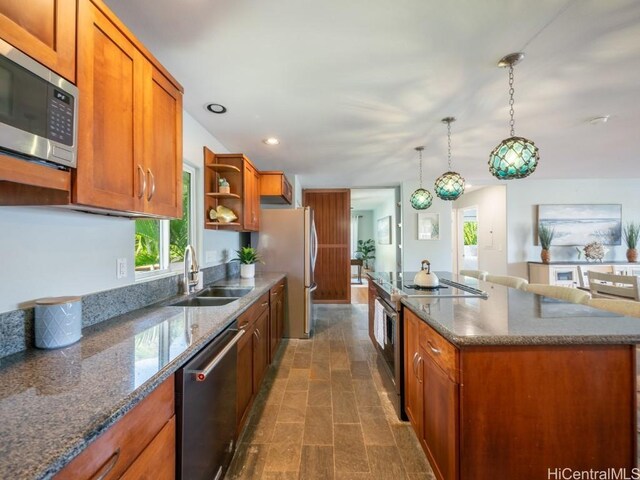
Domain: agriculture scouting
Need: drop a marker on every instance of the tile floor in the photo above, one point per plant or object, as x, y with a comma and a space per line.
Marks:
323, 411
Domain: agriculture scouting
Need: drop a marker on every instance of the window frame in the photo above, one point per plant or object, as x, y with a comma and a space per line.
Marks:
167, 268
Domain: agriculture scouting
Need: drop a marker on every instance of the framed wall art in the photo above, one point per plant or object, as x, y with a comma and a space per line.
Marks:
580, 224
384, 230
428, 226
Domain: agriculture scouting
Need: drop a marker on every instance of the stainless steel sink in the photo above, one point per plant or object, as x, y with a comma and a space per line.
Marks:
236, 292
205, 302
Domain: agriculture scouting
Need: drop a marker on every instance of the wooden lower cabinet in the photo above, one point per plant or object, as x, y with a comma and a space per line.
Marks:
276, 318
440, 418
260, 349
516, 411
142, 441
253, 356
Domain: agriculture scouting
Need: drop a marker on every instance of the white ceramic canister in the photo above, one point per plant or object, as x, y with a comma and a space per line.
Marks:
58, 321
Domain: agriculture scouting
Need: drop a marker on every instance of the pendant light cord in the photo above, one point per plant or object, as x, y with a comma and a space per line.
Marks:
449, 140
512, 122
420, 153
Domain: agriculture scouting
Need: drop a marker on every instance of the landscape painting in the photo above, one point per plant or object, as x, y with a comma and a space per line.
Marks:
577, 225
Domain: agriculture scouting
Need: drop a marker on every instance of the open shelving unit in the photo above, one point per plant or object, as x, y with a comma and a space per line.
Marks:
214, 170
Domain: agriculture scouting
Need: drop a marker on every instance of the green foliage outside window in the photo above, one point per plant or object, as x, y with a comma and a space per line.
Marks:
470, 231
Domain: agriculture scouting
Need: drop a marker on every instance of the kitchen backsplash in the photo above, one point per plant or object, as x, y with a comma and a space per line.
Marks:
16, 327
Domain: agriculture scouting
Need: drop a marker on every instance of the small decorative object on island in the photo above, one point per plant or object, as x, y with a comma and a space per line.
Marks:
223, 186
248, 257
545, 234
421, 199
365, 251
630, 233
425, 277
594, 251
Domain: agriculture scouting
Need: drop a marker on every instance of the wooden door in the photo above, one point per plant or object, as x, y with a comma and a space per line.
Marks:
373, 293
43, 29
440, 419
413, 372
333, 266
163, 148
110, 172
260, 349
244, 376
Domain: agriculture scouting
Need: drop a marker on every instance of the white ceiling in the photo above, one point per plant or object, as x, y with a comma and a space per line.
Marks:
350, 87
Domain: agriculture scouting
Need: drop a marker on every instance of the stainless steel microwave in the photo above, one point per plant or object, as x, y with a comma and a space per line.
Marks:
38, 110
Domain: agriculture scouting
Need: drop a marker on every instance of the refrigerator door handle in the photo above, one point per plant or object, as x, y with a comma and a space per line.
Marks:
314, 250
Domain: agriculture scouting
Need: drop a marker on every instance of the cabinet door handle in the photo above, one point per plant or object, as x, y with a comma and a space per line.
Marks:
420, 370
104, 470
415, 356
433, 349
152, 181
142, 181
255, 334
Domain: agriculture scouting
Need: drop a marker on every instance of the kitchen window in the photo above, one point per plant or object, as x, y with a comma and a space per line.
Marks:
160, 244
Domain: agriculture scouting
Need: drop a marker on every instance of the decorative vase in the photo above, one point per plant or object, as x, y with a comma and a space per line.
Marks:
225, 189
247, 270
545, 255
632, 255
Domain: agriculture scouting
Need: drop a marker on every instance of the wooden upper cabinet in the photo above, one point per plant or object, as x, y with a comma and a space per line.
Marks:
243, 196
130, 122
275, 188
43, 29
163, 152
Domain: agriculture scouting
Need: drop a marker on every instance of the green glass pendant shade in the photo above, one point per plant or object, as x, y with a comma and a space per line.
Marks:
421, 199
514, 157
449, 186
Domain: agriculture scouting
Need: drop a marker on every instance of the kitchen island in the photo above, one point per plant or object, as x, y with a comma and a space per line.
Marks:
54, 404
515, 385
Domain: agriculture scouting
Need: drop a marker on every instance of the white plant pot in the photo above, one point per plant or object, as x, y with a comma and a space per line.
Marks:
247, 271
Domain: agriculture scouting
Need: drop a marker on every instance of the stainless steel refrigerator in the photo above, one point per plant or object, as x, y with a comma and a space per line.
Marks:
288, 243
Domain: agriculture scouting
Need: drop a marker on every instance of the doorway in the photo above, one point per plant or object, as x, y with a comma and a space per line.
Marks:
467, 235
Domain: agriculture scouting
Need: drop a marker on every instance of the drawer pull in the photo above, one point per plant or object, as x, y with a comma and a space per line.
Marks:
107, 467
264, 304
433, 349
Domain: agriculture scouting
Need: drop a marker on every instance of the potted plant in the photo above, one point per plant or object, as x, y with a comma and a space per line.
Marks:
545, 234
365, 251
630, 233
248, 257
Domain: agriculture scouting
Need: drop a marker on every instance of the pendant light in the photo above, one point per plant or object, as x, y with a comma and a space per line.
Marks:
421, 199
514, 157
449, 185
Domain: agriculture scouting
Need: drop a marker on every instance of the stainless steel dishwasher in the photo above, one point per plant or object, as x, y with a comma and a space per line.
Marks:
206, 409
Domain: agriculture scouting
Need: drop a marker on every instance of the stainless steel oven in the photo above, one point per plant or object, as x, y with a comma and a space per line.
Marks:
38, 110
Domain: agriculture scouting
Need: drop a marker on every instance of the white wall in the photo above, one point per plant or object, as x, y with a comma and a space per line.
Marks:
438, 252
492, 226
523, 196
55, 252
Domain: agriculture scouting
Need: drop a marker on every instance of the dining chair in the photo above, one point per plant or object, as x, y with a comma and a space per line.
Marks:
567, 294
607, 285
507, 281
627, 308
584, 269
479, 274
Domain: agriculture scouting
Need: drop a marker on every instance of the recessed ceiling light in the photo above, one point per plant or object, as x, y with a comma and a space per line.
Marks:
271, 141
599, 120
216, 108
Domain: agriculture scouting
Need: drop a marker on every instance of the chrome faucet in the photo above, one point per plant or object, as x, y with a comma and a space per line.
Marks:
191, 270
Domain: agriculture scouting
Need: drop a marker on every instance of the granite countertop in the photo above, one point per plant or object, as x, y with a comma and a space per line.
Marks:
513, 317
53, 403
583, 262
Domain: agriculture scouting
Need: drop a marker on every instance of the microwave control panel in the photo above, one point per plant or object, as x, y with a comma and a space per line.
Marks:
60, 122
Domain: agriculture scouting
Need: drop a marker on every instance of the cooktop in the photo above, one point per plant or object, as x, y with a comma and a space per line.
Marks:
403, 283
